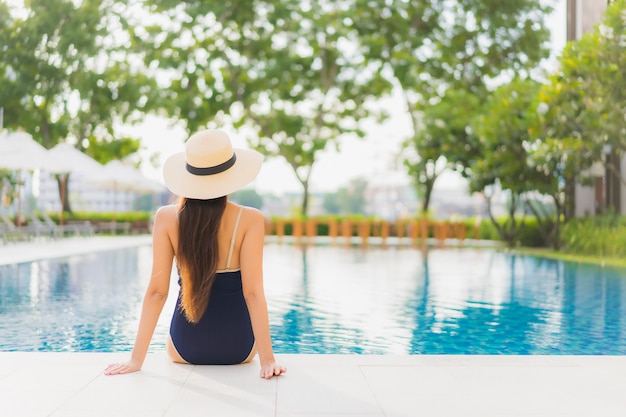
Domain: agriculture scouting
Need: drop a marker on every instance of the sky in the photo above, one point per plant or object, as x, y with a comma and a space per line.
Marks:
369, 157
372, 157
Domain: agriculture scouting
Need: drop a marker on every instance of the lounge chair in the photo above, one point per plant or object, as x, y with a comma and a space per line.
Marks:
11, 232
74, 228
42, 228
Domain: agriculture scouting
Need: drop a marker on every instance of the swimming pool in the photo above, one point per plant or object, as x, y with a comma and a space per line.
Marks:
335, 299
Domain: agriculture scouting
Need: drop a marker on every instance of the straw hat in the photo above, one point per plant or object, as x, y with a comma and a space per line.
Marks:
210, 167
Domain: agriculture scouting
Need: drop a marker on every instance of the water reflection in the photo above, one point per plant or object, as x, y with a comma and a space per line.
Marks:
306, 326
297, 328
520, 305
453, 301
76, 303
339, 300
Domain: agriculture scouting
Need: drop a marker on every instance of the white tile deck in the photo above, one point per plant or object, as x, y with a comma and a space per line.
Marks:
72, 384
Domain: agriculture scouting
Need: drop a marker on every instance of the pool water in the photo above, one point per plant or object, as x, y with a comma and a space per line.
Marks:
335, 299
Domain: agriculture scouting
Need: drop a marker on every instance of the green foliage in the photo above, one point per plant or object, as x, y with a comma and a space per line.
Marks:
528, 235
299, 76
579, 112
290, 73
105, 151
444, 131
565, 128
63, 74
487, 231
504, 134
135, 216
66, 73
8, 187
603, 236
506, 141
594, 65
580, 116
443, 55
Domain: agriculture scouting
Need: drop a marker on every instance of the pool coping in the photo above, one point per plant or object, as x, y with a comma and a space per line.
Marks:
47, 248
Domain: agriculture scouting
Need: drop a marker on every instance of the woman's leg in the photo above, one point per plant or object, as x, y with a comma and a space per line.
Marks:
172, 352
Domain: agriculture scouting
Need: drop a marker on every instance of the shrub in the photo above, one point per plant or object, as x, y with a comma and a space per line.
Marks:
603, 236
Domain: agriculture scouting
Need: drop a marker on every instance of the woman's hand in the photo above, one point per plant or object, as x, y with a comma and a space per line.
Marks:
271, 369
122, 368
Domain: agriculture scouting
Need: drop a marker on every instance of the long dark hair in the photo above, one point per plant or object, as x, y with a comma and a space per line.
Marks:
198, 253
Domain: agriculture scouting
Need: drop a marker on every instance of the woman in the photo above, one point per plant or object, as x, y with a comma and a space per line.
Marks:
221, 315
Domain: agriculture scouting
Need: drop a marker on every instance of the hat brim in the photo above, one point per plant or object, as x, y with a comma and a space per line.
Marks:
204, 187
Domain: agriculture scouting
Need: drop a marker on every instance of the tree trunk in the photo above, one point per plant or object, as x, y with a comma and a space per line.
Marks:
556, 243
428, 191
508, 232
63, 185
569, 210
305, 199
613, 183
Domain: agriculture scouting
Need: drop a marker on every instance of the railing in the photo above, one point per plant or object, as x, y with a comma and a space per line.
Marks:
366, 231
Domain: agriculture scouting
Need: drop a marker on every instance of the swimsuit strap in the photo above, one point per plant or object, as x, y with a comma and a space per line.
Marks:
232, 239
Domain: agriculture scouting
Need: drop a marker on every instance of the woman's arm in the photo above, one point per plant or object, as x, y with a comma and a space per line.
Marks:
251, 261
156, 293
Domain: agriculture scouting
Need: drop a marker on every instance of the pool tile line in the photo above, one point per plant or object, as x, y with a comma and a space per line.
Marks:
75, 394
371, 388
180, 389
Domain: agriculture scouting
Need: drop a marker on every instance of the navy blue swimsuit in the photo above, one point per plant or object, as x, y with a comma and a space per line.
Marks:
223, 336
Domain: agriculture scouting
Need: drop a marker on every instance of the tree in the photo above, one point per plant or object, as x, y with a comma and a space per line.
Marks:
248, 197
288, 75
430, 47
577, 115
347, 200
8, 187
563, 150
66, 72
581, 117
332, 202
445, 132
560, 161
505, 133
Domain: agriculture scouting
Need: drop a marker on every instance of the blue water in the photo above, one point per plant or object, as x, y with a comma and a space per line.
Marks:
334, 299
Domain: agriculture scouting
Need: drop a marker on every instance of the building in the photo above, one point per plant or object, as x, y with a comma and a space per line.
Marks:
84, 197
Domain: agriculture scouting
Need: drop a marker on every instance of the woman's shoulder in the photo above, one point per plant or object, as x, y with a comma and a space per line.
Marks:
166, 213
251, 214
170, 208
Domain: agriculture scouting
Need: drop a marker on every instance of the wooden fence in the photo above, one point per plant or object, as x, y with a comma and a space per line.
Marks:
364, 230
